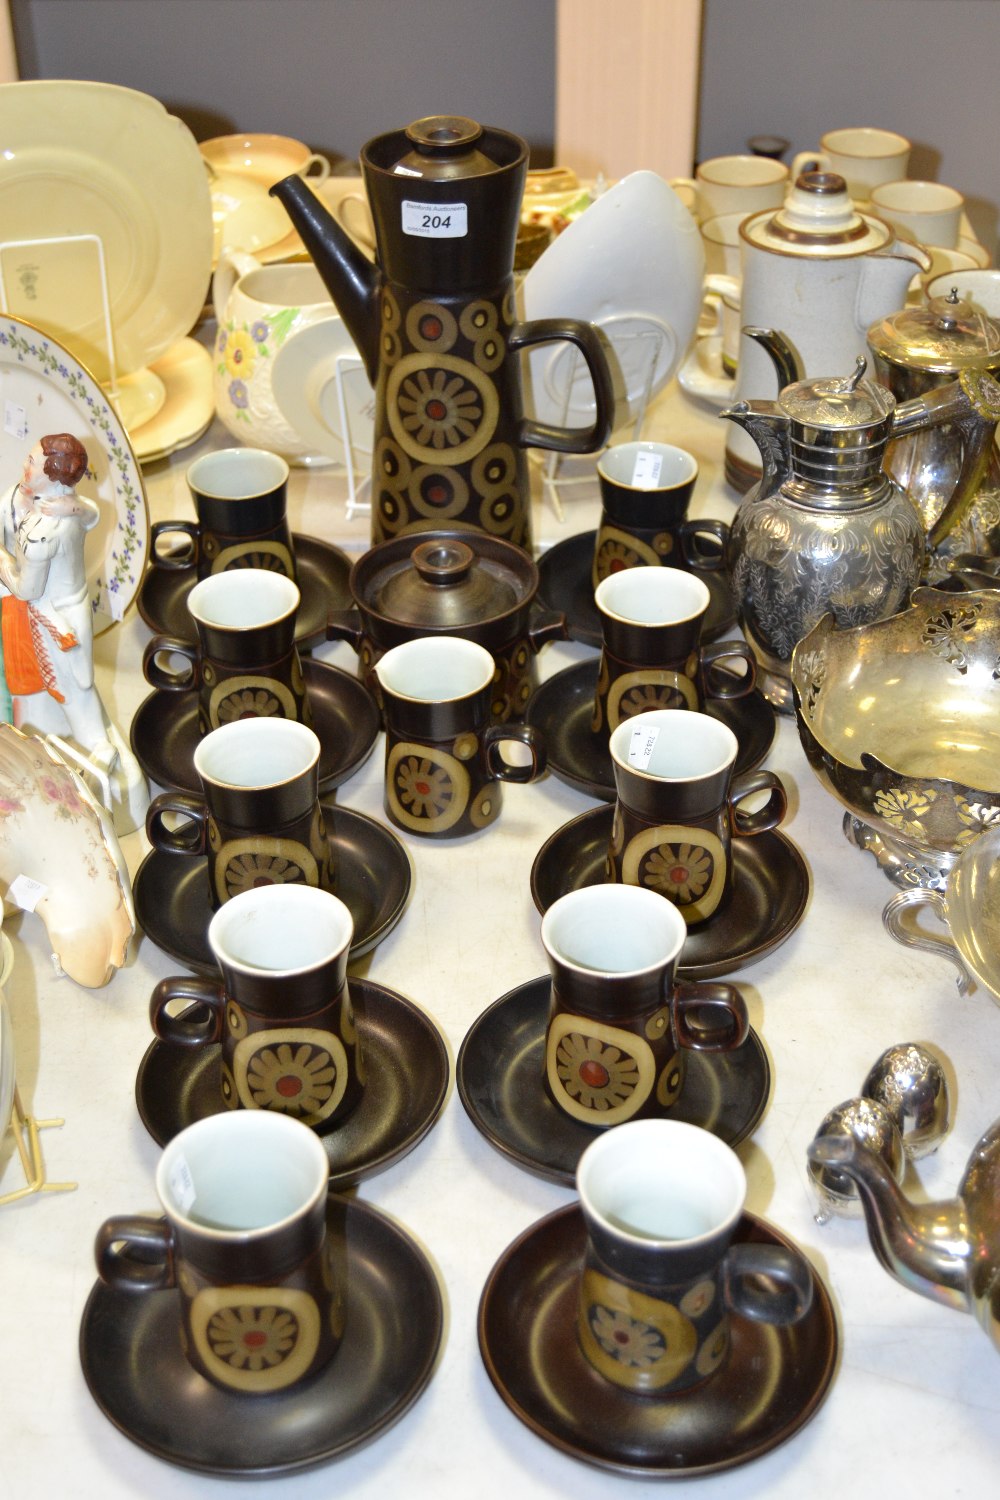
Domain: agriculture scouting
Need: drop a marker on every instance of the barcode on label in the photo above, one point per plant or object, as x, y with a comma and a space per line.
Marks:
182, 1184
641, 747
646, 472
435, 221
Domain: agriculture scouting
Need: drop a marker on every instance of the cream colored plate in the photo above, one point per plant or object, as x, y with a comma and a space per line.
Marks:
186, 373
139, 397
91, 158
43, 389
304, 383
244, 216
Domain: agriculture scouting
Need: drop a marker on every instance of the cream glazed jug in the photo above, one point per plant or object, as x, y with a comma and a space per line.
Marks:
822, 273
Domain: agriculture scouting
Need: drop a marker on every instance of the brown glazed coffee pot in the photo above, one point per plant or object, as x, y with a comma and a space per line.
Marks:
434, 323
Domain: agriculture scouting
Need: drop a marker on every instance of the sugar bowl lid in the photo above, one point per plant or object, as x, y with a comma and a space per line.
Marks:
444, 580
947, 335
818, 219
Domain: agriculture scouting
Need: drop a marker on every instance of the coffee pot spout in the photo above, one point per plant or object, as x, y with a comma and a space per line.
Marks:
350, 278
769, 429
926, 1247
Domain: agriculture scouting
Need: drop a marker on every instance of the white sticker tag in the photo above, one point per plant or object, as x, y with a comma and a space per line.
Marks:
646, 474
25, 892
435, 221
15, 420
641, 747
182, 1185
400, 171
111, 602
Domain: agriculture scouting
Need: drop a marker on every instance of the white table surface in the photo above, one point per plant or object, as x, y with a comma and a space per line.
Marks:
915, 1405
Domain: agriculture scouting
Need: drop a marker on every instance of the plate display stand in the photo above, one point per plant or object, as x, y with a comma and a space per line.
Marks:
643, 346
38, 314
343, 366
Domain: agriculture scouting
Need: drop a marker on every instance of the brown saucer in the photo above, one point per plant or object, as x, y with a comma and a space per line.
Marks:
322, 574
406, 1062
346, 719
173, 907
767, 902
564, 583
500, 1069
130, 1350
772, 1383
562, 706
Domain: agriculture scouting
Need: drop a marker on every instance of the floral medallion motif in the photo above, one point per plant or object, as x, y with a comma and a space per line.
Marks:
687, 865
250, 698
245, 864
617, 550
427, 789
638, 1341
637, 692
599, 1074
441, 407
255, 1339
301, 1073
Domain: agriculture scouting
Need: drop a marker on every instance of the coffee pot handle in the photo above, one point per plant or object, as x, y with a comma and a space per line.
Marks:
587, 340
972, 405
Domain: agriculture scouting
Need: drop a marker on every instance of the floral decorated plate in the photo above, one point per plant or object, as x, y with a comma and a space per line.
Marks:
43, 389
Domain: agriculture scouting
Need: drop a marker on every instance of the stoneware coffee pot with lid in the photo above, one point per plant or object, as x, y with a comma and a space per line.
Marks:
435, 326
821, 272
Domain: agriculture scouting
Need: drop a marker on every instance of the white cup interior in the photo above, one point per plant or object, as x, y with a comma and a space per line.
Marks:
661, 1180
917, 197
237, 473
613, 929
256, 753
285, 286
242, 598
435, 669
686, 745
652, 596
233, 1174
741, 171
280, 929
677, 466
865, 141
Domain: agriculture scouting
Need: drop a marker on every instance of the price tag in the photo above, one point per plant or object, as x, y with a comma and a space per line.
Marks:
182, 1185
646, 474
15, 420
435, 221
25, 892
400, 171
641, 747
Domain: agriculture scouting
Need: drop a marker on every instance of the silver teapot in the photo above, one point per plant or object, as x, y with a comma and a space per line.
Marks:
826, 529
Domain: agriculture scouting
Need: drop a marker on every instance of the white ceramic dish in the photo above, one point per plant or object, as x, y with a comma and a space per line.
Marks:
632, 265
189, 406
91, 158
304, 382
702, 377
43, 389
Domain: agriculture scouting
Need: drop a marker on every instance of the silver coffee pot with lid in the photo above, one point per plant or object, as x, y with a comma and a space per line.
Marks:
827, 529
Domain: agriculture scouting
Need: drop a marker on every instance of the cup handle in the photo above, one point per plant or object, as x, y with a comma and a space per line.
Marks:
170, 560
546, 625
746, 824
191, 837
767, 1283
717, 683
893, 920
318, 160
809, 161
179, 681
136, 1253
695, 555
499, 769
693, 999
197, 1030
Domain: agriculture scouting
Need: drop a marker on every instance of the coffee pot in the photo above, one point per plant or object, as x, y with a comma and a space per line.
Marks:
948, 1251
822, 272
920, 349
434, 323
826, 528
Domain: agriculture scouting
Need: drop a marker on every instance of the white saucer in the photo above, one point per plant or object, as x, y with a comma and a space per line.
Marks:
702, 377
304, 383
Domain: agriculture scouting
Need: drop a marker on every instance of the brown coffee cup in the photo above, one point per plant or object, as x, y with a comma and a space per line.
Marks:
239, 497
646, 489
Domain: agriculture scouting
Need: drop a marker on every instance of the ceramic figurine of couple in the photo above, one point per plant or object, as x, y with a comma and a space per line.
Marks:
46, 619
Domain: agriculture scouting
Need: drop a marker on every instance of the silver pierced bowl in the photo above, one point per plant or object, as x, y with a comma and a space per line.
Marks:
900, 720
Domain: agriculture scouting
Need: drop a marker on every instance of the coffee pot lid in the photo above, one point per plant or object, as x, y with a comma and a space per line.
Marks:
445, 147
444, 584
946, 335
817, 219
838, 403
